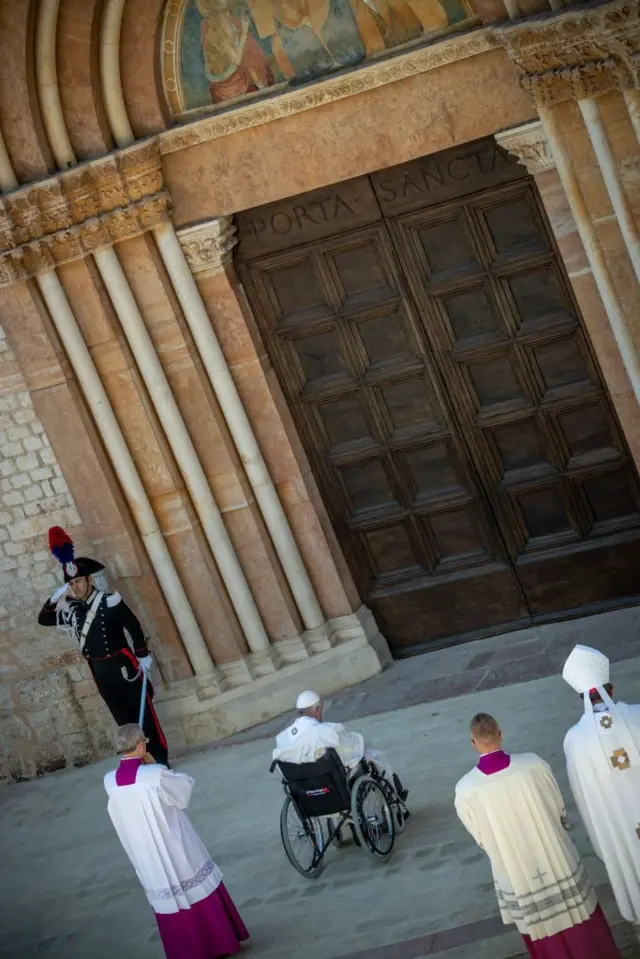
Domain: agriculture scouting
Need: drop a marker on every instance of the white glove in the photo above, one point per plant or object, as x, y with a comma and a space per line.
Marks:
145, 663
59, 593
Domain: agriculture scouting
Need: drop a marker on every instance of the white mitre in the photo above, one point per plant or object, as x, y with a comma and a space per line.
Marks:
586, 669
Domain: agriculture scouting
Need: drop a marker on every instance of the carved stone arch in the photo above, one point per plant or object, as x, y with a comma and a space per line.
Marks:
140, 40
78, 65
20, 118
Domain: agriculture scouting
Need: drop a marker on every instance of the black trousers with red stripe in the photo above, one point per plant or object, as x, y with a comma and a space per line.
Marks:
122, 696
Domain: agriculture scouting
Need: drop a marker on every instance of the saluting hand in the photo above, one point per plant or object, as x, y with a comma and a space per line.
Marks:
145, 663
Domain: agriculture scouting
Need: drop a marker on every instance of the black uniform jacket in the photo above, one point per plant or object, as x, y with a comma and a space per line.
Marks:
106, 635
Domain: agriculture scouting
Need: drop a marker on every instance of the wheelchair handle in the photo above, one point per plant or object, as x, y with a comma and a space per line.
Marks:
273, 765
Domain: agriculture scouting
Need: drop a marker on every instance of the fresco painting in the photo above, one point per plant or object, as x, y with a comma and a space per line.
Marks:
224, 50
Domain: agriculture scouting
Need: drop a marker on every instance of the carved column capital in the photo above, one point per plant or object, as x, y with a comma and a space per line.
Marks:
208, 246
529, 145
81, 210
578, 54
140, 169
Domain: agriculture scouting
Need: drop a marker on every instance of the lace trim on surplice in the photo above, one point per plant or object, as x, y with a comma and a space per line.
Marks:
170, 892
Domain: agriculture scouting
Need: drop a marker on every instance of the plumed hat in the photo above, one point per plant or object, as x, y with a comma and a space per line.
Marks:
61, 545
307, 699
586, 669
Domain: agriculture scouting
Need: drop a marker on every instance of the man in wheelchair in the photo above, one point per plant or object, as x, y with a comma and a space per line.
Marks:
308, 738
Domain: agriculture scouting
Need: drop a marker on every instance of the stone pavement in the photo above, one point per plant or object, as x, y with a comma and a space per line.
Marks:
69, 892
482, 665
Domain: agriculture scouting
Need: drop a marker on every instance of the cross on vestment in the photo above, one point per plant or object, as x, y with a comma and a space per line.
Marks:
539, 876
620, 759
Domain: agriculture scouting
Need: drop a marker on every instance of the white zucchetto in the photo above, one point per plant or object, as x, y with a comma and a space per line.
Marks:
307, 699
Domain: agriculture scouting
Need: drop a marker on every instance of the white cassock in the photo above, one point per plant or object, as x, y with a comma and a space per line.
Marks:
167, 854
603, 763
516, 816
307, 739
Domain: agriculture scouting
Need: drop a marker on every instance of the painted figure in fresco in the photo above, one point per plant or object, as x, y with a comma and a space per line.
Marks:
270, 15
234, 60
308, 37
395, 20
384, 24
249, 45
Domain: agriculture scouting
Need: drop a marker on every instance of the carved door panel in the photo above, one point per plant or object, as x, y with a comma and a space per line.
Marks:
508, 341
410, 515
435, 363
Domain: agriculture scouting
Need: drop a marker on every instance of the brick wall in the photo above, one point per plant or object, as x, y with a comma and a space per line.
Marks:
50, 713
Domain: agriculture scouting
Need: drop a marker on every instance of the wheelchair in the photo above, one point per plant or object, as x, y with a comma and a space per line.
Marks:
324, 798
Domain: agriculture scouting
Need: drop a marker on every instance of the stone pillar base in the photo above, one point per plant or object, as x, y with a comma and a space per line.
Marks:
194, 716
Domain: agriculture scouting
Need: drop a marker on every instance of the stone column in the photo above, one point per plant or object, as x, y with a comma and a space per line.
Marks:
632, 100
239, 425
182, 447
115, 444
530, 146
581, 67
208, 248
52, 235
611, 175
45, 227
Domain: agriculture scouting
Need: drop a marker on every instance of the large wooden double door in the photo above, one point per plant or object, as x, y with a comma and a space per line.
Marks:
426, 338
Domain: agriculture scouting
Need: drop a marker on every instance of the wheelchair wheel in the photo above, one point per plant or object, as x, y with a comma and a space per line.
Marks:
399, 820
373, 820
397, 807
303, 841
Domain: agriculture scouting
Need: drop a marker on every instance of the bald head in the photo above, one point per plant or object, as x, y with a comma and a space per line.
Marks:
485, 733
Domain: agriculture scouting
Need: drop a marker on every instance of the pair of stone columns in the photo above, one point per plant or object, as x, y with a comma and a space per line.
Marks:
182, 446
151, 369
46, 225
588, 56
542, 146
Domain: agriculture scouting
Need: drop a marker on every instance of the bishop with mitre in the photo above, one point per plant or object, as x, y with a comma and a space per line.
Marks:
603, 762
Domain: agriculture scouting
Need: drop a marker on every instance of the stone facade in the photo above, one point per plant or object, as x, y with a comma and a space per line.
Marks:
50, 715
138, 405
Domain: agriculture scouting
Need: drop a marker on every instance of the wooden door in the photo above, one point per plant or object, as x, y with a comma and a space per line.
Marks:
436, 367
507, 338
351, 355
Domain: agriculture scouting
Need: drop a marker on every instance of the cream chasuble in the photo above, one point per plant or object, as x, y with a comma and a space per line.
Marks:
516, 816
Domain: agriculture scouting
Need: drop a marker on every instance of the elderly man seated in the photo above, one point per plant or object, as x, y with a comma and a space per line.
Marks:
309, 737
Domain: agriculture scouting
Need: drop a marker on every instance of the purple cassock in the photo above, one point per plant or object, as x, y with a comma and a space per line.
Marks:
195, 914
590, 939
